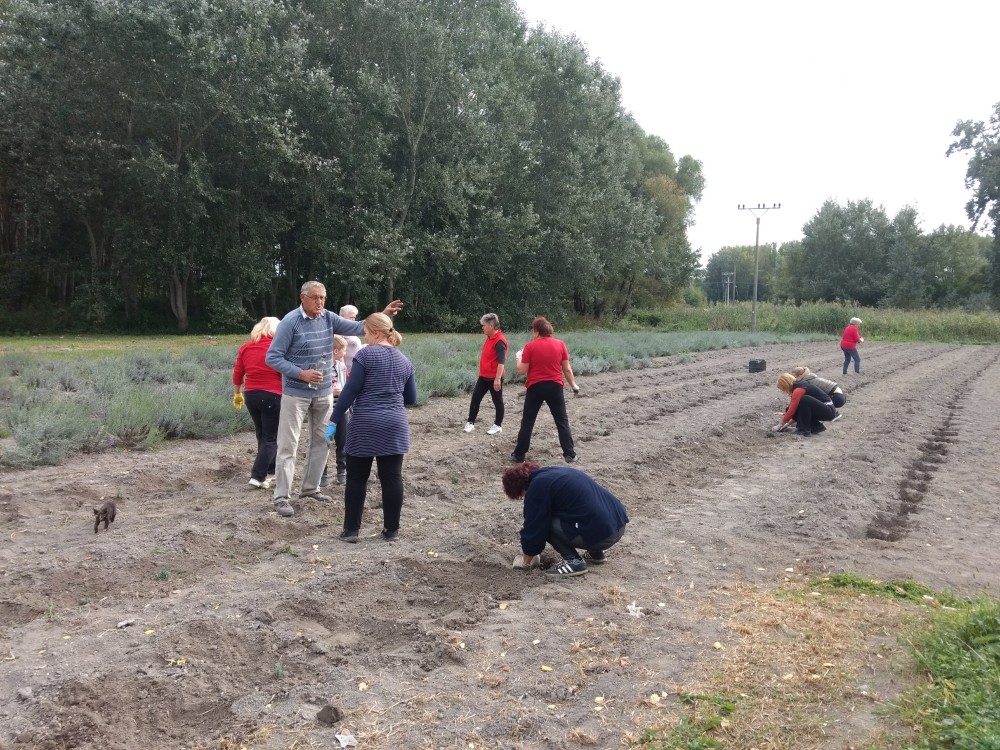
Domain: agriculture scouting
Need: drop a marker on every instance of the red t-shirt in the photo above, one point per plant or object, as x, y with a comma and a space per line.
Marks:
851, 338
250, 364
545, 355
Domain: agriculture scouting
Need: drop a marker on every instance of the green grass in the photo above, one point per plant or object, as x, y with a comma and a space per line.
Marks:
957, 705
895, 589
704, 714
61, 395
956, 699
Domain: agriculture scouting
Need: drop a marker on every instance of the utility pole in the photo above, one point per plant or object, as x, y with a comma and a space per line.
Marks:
756, 254
727, 280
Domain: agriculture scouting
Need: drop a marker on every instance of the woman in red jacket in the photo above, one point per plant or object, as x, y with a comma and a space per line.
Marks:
809, 407
545, 361
260, 386
849, 345
492, 364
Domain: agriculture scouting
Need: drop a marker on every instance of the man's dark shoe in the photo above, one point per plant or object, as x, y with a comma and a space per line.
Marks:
801, 433
390, 536
570, 459
516, 458
819, 427
351, 537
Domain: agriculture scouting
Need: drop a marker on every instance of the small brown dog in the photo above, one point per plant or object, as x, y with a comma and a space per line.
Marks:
104, 512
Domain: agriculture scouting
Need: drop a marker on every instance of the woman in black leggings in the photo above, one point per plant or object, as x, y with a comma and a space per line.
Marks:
809, 406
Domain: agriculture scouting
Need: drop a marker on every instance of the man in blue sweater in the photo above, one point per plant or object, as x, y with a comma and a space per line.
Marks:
567, 509
302, 351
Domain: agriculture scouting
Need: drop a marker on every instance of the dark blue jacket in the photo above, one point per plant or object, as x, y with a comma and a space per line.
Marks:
584, 508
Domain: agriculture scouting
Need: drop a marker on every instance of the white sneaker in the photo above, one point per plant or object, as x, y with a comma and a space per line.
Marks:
495, 429
258, 484
469, 427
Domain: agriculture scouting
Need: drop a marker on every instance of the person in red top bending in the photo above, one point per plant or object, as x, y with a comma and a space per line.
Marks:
492, 364
260, 387
545, 361
849, 345
809, 406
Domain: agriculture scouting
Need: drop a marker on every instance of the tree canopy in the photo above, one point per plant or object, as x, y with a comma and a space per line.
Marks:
172, 163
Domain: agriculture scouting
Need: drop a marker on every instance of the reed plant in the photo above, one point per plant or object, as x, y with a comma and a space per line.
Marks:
888, 324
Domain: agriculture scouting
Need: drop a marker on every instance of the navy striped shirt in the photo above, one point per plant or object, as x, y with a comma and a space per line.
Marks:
299, 344
381, 384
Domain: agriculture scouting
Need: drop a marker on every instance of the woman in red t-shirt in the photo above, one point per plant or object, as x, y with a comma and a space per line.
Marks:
545, 361
260, 386
849, 345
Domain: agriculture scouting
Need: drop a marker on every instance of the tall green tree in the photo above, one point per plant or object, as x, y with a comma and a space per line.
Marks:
142, 124
196, 162
673, 189
844, 254
981, 140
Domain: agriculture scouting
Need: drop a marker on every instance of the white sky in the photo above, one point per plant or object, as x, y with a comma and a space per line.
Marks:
796, 101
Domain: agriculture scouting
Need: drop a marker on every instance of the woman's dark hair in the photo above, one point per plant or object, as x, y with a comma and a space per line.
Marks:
516, 479
541, 326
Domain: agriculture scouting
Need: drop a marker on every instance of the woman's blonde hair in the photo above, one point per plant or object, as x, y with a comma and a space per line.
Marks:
265, 328
339, 342
785, 382
381, 324
800, 372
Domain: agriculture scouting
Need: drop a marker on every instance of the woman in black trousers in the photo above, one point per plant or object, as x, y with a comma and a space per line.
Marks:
545, 361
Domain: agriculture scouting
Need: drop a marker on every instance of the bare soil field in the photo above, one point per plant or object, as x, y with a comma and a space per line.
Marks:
203, 620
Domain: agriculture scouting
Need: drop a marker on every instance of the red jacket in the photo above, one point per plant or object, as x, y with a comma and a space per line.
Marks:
489, 360
250, 365
851, 339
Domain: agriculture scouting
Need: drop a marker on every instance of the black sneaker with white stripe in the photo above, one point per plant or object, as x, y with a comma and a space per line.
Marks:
567, 568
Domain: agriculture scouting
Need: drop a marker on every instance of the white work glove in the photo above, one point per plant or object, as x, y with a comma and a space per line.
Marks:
782, 427
518, 564
517, 354
576, 390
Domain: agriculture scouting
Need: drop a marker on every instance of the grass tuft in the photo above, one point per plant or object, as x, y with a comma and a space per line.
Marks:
958, 705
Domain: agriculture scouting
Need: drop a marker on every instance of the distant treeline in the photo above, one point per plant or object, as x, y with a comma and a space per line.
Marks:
174, 165
880, 324
857, 253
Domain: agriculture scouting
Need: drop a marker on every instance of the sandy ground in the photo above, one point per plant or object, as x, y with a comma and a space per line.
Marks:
243, 625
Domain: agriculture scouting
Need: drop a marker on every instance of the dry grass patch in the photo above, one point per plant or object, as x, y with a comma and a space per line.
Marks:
800, 668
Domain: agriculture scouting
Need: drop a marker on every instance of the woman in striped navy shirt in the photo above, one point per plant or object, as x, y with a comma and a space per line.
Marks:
381, 385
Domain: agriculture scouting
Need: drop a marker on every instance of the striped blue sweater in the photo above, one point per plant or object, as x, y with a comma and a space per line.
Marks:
381, 385
300, 342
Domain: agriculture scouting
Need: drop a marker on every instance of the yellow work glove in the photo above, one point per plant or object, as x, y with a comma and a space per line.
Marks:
238, 400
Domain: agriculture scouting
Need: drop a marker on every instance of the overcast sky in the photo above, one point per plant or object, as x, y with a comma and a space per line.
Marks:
799, 102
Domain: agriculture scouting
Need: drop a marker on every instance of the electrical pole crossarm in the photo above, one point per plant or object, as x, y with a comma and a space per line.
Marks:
763, 209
